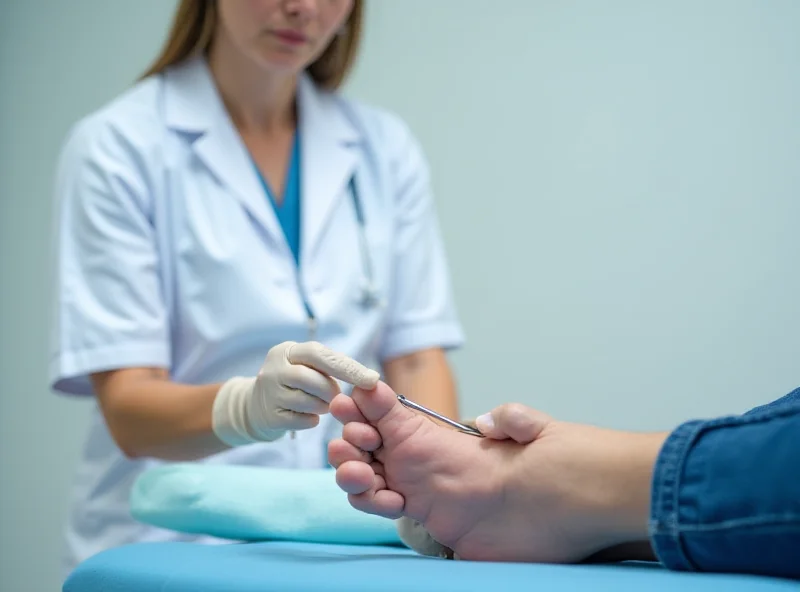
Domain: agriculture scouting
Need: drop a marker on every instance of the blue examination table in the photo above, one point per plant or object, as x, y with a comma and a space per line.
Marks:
295, 567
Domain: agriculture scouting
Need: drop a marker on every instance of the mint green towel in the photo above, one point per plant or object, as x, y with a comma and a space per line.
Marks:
253, 503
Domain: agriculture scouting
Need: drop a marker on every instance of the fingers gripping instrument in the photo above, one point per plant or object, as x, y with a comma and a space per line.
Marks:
293, 388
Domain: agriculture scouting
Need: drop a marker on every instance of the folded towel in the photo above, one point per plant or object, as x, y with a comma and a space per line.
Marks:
254, 503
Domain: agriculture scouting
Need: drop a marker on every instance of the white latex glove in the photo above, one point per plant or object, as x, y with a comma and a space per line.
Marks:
293, 388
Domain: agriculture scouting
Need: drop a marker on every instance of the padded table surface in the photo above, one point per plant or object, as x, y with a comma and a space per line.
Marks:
295, 567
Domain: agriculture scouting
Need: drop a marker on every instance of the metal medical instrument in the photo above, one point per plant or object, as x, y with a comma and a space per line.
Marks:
459, 426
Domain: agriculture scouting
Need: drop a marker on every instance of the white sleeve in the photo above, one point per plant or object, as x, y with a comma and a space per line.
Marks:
422, 312
108, 307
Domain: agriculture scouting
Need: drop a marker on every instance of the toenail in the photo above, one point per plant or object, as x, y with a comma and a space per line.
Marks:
485, 422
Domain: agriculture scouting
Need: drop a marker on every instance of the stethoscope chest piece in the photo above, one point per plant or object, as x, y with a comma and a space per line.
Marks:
370, 297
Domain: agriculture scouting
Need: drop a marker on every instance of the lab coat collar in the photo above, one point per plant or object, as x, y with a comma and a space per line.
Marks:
328, 148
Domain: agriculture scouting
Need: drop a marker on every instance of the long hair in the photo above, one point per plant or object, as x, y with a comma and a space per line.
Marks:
193, 28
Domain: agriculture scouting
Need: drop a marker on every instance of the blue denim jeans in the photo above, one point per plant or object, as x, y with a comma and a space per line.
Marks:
726, 493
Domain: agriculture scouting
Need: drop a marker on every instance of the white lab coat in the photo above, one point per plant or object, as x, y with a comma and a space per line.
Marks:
170, 255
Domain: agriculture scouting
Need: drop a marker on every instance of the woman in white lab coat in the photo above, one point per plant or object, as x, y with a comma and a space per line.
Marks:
215, 221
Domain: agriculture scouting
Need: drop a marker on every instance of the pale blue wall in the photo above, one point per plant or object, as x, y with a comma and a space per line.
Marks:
619, 185
617, 181
58, 60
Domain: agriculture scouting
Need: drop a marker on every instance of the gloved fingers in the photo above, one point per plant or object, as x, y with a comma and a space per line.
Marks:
362, 435
345, 410
513, 420
301, 402
340, 451
310, 381
292, 420
317, 356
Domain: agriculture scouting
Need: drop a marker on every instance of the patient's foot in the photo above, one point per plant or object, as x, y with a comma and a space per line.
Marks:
559, 499
449, 481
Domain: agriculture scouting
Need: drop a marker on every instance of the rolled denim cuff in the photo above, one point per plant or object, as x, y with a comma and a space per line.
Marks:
665, 534
724, 497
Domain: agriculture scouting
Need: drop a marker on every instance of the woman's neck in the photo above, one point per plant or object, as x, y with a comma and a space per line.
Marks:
256, 101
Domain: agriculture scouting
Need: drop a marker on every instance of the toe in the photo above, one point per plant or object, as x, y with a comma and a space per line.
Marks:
341, 451
383, 410
362, 435
382, 502
355, 477
512, 420
374, 404
345, 410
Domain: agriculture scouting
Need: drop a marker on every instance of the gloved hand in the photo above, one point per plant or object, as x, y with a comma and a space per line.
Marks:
293, 388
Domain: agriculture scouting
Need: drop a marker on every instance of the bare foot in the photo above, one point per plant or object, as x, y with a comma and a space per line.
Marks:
554, 500
449, 481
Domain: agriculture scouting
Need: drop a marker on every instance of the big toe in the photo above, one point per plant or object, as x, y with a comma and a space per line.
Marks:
381, 408
376, 403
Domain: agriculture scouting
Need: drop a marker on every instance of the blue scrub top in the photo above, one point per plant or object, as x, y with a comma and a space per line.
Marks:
288, 212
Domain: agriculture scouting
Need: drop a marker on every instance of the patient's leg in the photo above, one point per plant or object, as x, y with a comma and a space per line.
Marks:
561, 498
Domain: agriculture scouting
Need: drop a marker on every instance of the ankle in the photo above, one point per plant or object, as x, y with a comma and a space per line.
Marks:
629, 474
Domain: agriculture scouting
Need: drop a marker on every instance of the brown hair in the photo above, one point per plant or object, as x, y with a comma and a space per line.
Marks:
193, 30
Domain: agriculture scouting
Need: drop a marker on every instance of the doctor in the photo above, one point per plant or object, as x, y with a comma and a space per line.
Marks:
218, 223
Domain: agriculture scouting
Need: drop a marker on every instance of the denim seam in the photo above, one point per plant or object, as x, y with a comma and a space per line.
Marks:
789, 399
665, 531
789, 520
759, 417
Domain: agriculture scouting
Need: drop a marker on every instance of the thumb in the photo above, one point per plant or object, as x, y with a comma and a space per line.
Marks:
513, 421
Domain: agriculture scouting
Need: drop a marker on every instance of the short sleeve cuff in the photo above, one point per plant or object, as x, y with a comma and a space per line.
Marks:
407, 340
70, 370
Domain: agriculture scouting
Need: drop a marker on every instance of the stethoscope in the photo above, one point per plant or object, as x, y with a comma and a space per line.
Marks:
369, 297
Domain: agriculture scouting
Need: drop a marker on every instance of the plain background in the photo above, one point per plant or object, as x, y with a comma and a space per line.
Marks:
617, 184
